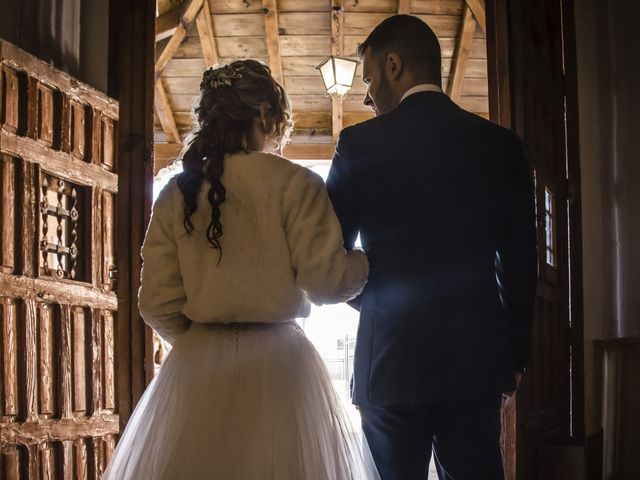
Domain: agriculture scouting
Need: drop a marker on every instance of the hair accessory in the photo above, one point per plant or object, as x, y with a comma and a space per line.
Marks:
222, 76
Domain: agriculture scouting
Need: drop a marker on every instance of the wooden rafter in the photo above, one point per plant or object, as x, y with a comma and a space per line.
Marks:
189, 11
477, 7
404, 7
337, 48
164, 154
461, 54
273, 40
167, 23
163, 110
207, 36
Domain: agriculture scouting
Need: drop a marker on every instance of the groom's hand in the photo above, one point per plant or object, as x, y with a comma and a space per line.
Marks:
518, 380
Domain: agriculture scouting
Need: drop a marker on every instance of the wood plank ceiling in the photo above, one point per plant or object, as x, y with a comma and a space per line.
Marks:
293, 37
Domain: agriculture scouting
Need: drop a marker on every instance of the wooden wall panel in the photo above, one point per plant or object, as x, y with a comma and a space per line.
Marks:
108, 241
80, 119
109, 442
46, 112
65, 356
28, 224
79, 370
46, 360
8, 213
29, 357
97, 371
108, 143
66, 460
95, 455
9, 357
11, 463
11, 99
96, 237
109, 360
96, 139
66, 124
48, 462
57, 164
32, 461
81, 459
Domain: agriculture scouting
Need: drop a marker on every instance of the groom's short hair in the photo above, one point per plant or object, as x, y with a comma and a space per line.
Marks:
412, 39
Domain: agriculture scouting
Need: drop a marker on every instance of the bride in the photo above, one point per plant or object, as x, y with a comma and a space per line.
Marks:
238, 245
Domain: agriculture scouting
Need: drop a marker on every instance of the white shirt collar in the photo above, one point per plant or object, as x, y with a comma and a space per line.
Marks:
423, 87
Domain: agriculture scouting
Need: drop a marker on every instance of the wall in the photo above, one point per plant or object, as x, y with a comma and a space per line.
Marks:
72, 35
609, 102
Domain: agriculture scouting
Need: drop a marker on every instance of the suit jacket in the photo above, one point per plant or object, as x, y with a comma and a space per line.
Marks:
444, 204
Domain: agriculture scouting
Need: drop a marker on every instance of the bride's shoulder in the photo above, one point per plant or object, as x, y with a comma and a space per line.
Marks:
275, 160
167, 195
285, 168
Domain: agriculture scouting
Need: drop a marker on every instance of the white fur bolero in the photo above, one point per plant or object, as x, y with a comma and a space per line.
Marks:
281, 247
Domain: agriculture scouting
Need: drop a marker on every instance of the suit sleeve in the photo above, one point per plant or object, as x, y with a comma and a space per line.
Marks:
516, 258
342, 193
323, 268
162, 294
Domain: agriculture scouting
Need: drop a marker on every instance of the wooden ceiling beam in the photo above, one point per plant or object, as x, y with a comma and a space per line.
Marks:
404, 7
461, 54
322, 120
207, 36
166, 153
477, 7
309, 151
273, 39
189, 11
337, 49
163, 110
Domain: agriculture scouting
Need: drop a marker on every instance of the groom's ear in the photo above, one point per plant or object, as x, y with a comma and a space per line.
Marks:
393, 65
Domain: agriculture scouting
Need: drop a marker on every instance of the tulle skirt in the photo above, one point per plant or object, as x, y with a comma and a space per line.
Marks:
241, 402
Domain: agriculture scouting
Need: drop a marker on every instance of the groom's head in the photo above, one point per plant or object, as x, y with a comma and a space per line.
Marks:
398, 54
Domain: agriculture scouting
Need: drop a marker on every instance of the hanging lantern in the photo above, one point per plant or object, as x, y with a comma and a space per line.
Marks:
338, 74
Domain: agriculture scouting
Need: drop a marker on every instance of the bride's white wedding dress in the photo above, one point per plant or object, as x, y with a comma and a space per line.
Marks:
243, 395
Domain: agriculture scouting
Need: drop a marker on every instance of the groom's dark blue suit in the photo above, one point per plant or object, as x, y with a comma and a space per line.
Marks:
444, 203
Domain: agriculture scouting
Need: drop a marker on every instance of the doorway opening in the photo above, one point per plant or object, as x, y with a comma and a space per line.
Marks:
293, 37
331, 328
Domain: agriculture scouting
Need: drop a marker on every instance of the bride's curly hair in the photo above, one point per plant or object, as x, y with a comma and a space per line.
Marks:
231, 98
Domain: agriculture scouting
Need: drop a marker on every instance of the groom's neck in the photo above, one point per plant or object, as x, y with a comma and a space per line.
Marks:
412, 81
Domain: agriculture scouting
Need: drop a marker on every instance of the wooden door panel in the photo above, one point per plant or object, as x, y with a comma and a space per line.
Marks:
530, 66
8, 183
58, 415
530, 46
541, 30
46, 360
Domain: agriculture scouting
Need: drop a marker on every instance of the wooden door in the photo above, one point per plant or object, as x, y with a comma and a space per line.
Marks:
531, 59
58, 305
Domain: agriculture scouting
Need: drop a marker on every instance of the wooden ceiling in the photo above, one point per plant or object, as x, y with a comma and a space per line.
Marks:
293, 37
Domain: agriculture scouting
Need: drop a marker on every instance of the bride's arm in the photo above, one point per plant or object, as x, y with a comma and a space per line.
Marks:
162, 294
323, 267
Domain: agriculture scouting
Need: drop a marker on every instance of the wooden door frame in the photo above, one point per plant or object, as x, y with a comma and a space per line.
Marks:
131, 77
501, 75
575, 220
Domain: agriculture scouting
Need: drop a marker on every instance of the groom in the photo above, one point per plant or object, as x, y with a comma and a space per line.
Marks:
444, 204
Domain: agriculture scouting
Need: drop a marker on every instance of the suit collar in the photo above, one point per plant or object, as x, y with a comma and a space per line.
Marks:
422, 87
425, 97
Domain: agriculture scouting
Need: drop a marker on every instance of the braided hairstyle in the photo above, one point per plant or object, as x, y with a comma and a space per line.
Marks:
232, 98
